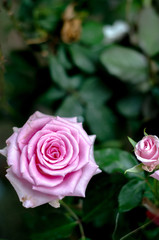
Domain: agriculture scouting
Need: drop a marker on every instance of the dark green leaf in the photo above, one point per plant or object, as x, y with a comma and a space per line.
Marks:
52, 95
125, 63
75, 81
114, 160
102, 121
59, 232
93, 91
97, 207
81, 58
130, 106
58, 73
92, 33
70, 107
131, 195
148, 31
63, 58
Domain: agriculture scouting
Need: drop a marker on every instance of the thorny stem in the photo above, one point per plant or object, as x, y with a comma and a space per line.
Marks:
74, 215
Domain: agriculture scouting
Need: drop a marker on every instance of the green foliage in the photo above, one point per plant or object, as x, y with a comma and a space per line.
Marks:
133, 143
101, 121
113, 160
58, 73
112, 86
82, 58
131, 194
148, 31
130, 107
94, 91
62, 231
125, 63
136, 169
92, 33
70, 107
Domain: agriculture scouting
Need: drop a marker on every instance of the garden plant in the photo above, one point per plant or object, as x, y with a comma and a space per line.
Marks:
79, 119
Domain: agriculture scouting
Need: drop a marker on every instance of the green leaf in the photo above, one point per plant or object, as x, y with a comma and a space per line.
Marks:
51, 95
148, 31
81, 58
92, 33
59, 232
70, 107
75, 81
130, 107
130, 195
93, 90
58, 73
136, 169
102, 121
133, 143
97, 208
113, 160
125, 63
63, 58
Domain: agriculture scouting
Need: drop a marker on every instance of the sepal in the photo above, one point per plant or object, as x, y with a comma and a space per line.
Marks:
136, 169
133, 143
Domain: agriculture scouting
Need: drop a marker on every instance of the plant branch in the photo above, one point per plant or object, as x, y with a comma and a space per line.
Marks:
137, 229
116, 225
74, 215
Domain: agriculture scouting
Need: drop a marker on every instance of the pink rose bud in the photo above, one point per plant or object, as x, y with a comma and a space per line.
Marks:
147, 152
49, 158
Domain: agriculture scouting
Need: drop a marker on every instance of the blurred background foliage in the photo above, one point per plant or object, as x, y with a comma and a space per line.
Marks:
98, 60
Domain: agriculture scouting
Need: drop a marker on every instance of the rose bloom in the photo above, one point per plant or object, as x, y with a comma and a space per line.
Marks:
147, 152
49, 158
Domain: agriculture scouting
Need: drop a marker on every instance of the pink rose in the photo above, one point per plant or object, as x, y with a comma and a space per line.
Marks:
147, 152
49, 158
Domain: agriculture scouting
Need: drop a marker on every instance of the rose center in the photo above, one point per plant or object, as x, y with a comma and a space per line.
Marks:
53, 152
146, 144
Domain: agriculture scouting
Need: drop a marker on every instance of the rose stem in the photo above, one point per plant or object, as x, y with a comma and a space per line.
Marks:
156, 191
137, 229
75, 217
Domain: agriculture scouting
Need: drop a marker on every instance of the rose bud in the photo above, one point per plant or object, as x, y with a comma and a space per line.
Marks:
147, 152
49, 158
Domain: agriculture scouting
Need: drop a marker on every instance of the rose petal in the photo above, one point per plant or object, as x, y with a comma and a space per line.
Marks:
30, 128
50, 158
26, 194
155, 175
24, 168
13, 153
66, 188
87, 173
39, 178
